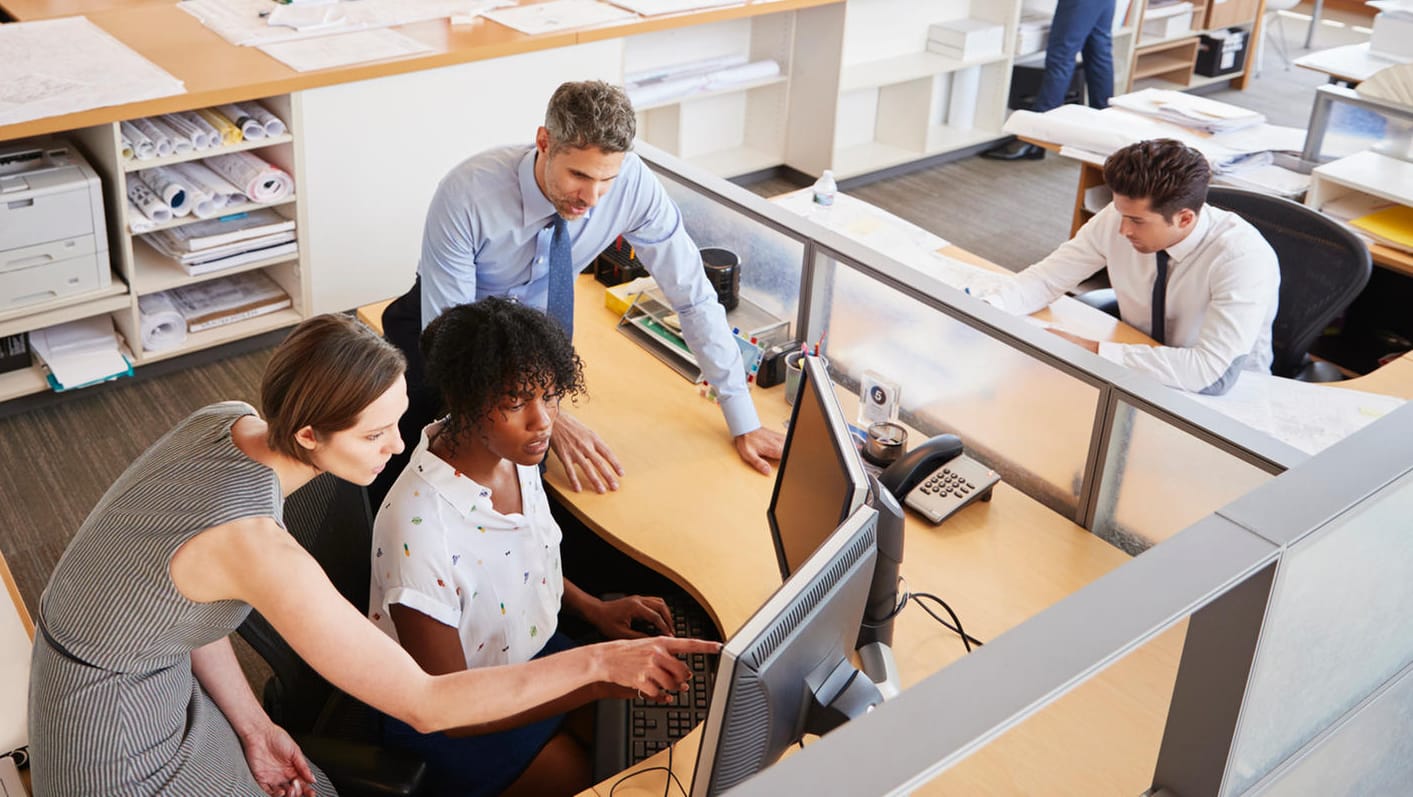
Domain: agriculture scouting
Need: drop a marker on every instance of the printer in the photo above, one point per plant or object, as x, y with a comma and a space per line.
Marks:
53, 234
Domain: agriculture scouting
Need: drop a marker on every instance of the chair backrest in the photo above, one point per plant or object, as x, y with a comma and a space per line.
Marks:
1323, 267
331, 519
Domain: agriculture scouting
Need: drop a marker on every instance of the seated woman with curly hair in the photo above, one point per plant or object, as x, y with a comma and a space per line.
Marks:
466, 567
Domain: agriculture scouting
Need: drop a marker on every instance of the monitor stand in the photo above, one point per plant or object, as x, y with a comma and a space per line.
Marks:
876, 635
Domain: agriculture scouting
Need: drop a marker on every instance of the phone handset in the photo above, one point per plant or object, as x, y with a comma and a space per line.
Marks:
937, 479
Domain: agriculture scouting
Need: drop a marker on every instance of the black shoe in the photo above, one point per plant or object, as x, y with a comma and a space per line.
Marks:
1015, 151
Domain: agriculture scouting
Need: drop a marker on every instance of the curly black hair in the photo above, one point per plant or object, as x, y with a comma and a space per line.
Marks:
478, 354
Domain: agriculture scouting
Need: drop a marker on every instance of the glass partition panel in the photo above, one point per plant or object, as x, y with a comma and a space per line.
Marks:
771, 261
1158, 480
1101, 737
1337, 628
1028, 420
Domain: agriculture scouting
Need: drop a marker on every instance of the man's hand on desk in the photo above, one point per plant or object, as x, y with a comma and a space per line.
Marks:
759, 445
578, 448
1084, 343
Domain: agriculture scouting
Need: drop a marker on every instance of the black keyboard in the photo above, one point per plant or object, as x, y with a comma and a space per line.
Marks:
629, 731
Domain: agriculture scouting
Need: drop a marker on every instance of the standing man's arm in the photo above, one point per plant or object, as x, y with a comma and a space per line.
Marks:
448, 266
670, 255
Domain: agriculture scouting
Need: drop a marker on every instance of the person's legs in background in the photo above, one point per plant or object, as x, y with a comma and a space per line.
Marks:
1099, 58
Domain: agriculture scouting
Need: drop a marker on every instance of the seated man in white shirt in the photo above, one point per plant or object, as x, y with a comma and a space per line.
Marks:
1200, 280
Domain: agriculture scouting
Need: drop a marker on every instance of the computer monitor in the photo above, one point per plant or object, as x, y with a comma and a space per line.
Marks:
821, 481
787, 672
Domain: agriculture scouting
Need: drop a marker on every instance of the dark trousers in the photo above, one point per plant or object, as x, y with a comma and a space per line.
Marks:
402, 326
1080, 27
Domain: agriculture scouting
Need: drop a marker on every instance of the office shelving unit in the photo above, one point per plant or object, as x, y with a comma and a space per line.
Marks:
729, 131
139, 270
1372, 174
1169, 62
894, 99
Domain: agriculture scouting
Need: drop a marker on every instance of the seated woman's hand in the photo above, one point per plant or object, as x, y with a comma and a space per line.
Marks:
631, 617
277, 763
648, 668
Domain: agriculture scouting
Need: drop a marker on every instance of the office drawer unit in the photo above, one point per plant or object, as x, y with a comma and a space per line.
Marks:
53, 238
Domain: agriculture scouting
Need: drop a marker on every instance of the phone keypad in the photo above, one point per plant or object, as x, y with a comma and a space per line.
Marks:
954, 485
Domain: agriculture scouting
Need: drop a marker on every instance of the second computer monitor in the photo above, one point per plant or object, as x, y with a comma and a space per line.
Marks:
788, 671
821, 479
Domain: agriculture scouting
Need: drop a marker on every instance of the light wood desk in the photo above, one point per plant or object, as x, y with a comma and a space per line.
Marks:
1351, 64
691, 510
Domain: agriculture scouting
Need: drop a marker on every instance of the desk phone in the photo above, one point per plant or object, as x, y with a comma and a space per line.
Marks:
937, 479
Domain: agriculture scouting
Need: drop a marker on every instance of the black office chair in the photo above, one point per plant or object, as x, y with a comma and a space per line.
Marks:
331, 519
1323, 267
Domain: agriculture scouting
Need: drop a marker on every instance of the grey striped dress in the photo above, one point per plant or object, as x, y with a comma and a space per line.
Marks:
114, 706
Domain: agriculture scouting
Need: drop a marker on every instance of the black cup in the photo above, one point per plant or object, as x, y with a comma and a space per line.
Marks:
723, 271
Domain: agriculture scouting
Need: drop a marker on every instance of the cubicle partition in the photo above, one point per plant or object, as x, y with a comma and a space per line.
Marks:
1282, 592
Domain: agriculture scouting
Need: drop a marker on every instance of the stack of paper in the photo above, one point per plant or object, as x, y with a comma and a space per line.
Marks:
966, 38
227, 300
218, 244
1392, 226
1032, 32
80, 353
1188, 110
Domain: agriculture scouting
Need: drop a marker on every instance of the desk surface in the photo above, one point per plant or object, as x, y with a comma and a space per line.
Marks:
690, 509
1352, 63
217, 72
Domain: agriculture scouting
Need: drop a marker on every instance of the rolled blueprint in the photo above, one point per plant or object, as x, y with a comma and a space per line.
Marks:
155, 134
148, 205
230, 134
200, 139
672, 71
142, 146
181, 144
163, 326
756, 70
208, 182
170, 186
272, 124
128, 153
213, 136
249, 126
260, 181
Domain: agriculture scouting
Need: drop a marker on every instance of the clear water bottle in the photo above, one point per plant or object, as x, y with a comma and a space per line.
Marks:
824, 189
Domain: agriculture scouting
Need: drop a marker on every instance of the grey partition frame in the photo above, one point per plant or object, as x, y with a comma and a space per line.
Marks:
1219, 572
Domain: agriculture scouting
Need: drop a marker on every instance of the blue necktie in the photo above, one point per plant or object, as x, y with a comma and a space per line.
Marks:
560, 306
1160, 298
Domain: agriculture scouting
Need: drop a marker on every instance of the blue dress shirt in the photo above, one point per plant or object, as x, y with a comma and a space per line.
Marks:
488, 234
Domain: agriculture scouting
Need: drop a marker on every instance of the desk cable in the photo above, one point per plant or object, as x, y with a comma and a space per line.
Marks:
968, 640
667, 784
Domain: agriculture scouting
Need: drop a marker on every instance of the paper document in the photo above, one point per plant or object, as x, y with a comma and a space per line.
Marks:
559, 15
52, 67
1307, 416
327, 52
650, 8
80, 352
1188, 110
256, 22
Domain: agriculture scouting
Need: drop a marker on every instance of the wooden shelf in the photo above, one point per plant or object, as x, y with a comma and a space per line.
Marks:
902, 68
69, 308
22, 383
737, 161
154, 272
205, 339
702, 95
135, 165
235, 210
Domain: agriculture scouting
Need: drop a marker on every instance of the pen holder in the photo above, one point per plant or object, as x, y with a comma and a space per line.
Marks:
723, 271
794, 367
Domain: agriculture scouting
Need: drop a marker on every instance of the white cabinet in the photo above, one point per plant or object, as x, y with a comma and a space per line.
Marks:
140, 270
1366, 174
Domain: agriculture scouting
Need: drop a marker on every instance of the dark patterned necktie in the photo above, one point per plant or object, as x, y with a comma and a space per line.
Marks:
560, 305
1160, 298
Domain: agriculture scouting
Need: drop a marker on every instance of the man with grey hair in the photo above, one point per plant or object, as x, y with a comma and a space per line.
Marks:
521, 221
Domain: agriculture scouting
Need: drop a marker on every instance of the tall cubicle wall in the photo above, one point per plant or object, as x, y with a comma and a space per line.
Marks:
1287, 591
